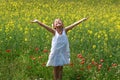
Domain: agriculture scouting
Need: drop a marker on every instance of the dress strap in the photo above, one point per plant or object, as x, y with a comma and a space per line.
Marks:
64, 31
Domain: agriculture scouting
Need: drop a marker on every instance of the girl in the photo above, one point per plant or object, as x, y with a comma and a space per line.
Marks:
60, 52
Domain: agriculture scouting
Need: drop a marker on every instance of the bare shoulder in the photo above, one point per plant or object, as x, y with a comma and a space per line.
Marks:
66, 29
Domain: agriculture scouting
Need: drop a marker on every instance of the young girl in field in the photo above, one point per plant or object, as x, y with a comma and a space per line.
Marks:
60, 52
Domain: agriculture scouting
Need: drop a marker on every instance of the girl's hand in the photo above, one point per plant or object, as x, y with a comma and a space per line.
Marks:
85, 19
34, 21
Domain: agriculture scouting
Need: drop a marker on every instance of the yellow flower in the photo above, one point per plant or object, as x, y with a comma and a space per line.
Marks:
1, 41
26, 32
93, 59
89, 31
0, 30
95, 34
69, 31
111, 30
118, 26
21, 28
110, 56
81, 40
106, 39
26, 29
86, 26
6, 30
33, 35
10, 37
26, 39
98, 36
82, 51
38, 28
31, 29
105, 35
94, 46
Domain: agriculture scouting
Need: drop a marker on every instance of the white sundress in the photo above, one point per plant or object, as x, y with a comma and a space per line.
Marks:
60, 52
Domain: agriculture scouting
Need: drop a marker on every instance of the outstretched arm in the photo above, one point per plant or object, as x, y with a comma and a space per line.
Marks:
74, 24
44, 25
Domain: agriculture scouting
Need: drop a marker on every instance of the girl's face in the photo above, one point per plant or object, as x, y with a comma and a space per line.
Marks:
57, 24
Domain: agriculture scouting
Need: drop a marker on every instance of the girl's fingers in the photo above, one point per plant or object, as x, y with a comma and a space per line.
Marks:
34, 21
85, 18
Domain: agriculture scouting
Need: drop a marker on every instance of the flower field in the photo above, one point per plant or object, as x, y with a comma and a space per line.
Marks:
94, 44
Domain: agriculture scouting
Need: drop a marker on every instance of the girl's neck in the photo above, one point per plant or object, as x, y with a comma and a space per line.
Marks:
59, 31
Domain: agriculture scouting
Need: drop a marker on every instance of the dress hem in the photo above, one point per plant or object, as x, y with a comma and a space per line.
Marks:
57, 65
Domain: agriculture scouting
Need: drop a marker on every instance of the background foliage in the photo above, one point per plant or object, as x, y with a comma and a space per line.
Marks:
94, 44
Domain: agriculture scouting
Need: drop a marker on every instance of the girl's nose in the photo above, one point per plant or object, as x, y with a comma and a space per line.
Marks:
58, 24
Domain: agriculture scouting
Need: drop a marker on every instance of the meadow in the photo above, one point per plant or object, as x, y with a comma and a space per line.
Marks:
94, 44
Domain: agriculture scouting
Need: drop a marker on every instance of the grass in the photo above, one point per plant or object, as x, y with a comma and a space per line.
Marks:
94, 44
